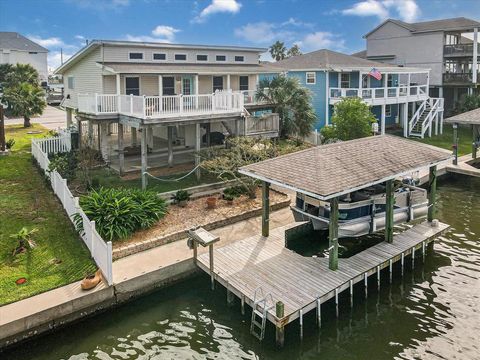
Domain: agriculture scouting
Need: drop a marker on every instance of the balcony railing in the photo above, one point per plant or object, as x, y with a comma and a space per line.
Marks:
459, 78
150, 107
372, 94
459, 50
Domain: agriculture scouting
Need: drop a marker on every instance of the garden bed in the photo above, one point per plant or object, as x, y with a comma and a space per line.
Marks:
174, 225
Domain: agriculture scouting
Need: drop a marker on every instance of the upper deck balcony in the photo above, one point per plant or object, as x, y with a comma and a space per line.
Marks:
228, 103
381, 95
459, 50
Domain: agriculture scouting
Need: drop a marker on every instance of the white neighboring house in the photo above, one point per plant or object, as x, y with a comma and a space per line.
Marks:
178, 98
17, 49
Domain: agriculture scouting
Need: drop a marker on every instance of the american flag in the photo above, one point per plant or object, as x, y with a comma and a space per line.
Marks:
376, 74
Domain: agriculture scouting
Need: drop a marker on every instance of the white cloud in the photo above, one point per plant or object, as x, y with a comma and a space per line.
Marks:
406, 10
54, 59
218, 6
321, 40
80, 37
264, 32
165, 31
162, 33
101, 5
47, 42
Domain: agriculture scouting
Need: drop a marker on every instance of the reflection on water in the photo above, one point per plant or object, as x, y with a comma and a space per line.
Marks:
432, 312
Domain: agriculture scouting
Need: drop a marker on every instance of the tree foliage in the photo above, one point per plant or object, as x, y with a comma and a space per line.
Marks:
292, 102
21, 73
352, 119
467, 103
278, 50
25, 100
294, 51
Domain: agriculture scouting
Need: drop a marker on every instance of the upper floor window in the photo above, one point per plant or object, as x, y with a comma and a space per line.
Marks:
71, 82
390, 80
388, 110
310, 78
243, 83
33, 52
180, 57
202, 57
221, 58
135, 56
132, 85
239, 58
451, 39
159, 56
345, 80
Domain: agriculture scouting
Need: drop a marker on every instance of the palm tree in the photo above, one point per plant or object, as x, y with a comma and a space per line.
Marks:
292, 102
25, 100
21, 73
294, 51
278, 51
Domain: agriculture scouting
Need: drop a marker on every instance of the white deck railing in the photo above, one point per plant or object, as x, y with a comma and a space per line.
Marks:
151, 107
100, 250
381, 94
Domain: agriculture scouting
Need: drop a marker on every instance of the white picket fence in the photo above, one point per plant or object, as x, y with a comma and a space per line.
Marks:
100, 250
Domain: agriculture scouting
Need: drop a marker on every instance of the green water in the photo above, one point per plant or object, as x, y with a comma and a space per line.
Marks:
433, 312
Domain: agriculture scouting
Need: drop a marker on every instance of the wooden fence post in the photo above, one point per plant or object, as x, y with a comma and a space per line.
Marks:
333, 235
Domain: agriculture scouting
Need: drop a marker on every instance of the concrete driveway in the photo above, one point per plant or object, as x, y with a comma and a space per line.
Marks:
52, 118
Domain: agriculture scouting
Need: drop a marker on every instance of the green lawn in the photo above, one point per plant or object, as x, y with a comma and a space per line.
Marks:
446, 139
26, 201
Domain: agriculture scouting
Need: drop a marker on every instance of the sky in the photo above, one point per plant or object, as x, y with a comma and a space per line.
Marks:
312, 24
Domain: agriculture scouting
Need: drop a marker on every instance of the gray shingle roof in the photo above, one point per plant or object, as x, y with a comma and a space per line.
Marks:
335, 169
16, 41
133, 68
361, 54
470, 118
326, 59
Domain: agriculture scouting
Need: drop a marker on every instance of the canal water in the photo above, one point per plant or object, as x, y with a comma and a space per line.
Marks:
433, 312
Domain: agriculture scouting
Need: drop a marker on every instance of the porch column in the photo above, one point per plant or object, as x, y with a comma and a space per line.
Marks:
390, 200
196, 90
208, 130
170, 145
150, 137
265, 209
144, 156
432, 190
133, 133
121, 156
118, 86
333, 235
69, 116
197, 149
90, 134
475, 56
104, 140
382, 121
160, 85
228, 82
405, 119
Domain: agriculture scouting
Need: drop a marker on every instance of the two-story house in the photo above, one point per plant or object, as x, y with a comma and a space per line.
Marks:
178, 97
448, 47
16, 48
399, 97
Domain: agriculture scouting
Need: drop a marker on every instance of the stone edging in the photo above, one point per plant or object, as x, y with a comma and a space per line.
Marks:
162, 240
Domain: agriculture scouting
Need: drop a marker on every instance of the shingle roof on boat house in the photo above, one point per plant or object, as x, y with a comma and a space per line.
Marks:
328, 171
471, 117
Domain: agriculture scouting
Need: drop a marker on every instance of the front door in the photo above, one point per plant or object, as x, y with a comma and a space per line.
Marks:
168, 85
132, 85
186, 85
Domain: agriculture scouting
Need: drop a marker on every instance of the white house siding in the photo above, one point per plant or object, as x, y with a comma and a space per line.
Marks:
120, 54
423, 50
109, 84
205, 84
88, 77
37, 60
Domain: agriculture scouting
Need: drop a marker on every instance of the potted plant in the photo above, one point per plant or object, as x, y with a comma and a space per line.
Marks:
229, 198
181, 197
211, 202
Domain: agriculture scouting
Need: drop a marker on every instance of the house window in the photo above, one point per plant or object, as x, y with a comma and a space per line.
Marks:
451, 39
221, 58
202, 57
168, 85
239, 58
180, 57
388, 110
243, 83
389, 80
159, 56
135, 56
217, 83
345, 80
132, 85
71, 82
311, 78
33, 52
186, 86
365, 81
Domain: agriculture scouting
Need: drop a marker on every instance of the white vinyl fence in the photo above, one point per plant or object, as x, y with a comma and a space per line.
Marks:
100, 250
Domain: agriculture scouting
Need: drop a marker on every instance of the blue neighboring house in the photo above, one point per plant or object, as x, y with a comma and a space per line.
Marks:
399, 99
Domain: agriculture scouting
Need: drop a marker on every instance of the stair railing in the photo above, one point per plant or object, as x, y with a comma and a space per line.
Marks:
427, 122
416, 116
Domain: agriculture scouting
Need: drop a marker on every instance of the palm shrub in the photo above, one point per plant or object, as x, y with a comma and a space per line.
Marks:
118, 213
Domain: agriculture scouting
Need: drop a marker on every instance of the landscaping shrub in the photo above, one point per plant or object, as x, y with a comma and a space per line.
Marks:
9, 144
233, 192
118, 213
65, 164
180, 196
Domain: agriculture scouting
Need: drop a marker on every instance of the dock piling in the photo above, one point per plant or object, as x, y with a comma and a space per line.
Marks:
300, 317
351, 293
242, 302
378, 277
423, 251
279, 327
336, 301
413, 258
390, 267
403, 261
365, 280
319, 313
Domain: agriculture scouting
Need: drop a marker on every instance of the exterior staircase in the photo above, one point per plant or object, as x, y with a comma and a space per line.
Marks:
426, 116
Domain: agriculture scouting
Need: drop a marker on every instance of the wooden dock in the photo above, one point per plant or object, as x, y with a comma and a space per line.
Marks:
304, 283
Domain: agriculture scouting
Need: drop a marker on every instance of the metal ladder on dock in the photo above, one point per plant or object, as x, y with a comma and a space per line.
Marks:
259, 311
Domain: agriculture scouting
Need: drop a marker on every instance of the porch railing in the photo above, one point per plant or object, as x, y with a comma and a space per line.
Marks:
459, 49
459, 78
161, 106
402, 91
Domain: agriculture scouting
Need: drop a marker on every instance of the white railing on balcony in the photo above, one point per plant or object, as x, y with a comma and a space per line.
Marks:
147, 107
383, 93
